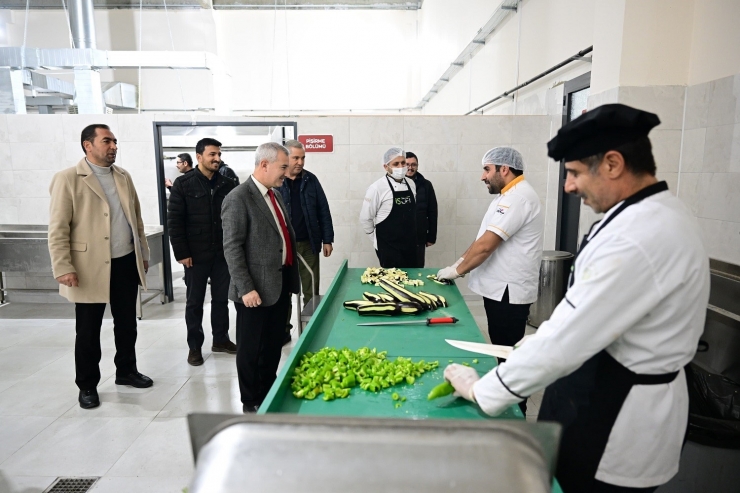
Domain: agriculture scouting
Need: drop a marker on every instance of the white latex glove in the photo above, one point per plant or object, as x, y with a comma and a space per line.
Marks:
448, 273
457, 264
462, 378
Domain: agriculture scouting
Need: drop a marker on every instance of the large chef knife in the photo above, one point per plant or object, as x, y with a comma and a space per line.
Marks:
481, 348
487, 349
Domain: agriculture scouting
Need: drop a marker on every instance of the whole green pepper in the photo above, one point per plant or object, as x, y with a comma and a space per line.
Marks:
441, 390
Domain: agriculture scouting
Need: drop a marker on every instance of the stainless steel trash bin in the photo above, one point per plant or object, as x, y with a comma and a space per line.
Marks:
554, 271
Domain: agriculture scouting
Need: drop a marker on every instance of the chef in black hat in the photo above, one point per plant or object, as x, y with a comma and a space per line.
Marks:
612, 355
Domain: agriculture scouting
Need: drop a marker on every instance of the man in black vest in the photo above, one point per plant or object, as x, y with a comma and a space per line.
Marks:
426, 208
196, 234
388, 213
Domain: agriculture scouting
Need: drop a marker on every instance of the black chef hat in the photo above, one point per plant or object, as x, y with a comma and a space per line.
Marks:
599, 130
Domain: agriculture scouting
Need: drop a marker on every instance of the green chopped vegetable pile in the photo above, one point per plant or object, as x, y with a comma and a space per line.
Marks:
333, 372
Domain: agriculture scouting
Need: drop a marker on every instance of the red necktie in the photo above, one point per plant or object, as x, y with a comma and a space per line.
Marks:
284, 227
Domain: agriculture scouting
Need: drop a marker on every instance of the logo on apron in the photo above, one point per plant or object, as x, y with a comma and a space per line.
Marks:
403, 200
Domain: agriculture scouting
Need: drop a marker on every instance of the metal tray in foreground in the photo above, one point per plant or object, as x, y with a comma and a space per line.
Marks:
284, 452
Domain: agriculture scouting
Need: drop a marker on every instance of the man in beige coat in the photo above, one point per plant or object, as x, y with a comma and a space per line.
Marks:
99, 255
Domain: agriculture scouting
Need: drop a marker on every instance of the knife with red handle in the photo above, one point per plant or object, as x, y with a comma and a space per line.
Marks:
429, 321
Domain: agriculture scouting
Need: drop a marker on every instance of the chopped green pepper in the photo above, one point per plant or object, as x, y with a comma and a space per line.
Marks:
441, 390
395, 396
333, 372
475, 361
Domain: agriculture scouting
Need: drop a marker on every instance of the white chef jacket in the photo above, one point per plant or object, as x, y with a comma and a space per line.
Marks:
263, 190
515, 215
379, 202
641, 291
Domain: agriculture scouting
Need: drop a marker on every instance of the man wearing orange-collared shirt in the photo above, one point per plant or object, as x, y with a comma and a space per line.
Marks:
504, 260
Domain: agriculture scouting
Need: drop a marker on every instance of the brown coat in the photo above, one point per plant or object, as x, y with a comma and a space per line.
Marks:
79, 228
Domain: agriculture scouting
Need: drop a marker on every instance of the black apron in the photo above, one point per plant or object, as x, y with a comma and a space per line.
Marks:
587, 402
396, 234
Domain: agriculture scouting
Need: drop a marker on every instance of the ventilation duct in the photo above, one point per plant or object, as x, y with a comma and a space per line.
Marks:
82, 24
89, 95
120, 95
67, 59
47, 91
42, 83
12, 97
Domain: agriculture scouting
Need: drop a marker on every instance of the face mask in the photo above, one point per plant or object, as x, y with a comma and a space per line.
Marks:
399, 173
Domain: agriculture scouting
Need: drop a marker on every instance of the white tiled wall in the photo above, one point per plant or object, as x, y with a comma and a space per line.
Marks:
33, 147
710, 165
697, 151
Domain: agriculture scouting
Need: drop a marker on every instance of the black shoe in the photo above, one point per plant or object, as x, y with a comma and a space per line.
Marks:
135, 379
224, 347
250, 409
287, 339
89, 399
195, 358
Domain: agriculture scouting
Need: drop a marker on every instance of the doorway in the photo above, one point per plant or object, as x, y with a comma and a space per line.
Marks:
240, 141
575, 101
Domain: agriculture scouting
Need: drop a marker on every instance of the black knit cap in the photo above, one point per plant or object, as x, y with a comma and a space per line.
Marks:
602, 129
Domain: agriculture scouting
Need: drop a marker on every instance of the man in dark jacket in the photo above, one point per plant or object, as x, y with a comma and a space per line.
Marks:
309, 213
426, 208
194, 226
226, 171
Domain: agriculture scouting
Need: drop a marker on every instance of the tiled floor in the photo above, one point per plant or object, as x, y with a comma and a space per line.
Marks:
137, 440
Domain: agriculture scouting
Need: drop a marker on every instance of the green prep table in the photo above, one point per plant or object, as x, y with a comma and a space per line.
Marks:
335, 326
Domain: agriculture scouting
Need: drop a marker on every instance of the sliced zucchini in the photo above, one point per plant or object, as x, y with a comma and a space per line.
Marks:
407, 294
430, 299
355, 304
431, 296
445, 282
394, 291
390, 309
372, 297
386, 297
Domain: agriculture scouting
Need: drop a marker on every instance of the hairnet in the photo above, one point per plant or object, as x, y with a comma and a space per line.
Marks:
504, 156
392, 154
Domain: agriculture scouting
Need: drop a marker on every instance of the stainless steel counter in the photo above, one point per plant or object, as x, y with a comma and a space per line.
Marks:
286, 452
24, 248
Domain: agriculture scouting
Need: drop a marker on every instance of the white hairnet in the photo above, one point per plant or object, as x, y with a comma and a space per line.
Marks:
504, 156
392, 154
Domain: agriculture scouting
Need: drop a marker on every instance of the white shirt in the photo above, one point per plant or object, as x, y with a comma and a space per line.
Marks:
379, 201
641, 291
516, 216
263, 190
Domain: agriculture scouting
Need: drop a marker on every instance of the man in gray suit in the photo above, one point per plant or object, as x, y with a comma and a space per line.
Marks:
259, 246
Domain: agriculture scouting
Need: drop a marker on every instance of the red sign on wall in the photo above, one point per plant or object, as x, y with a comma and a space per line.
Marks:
317, 143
